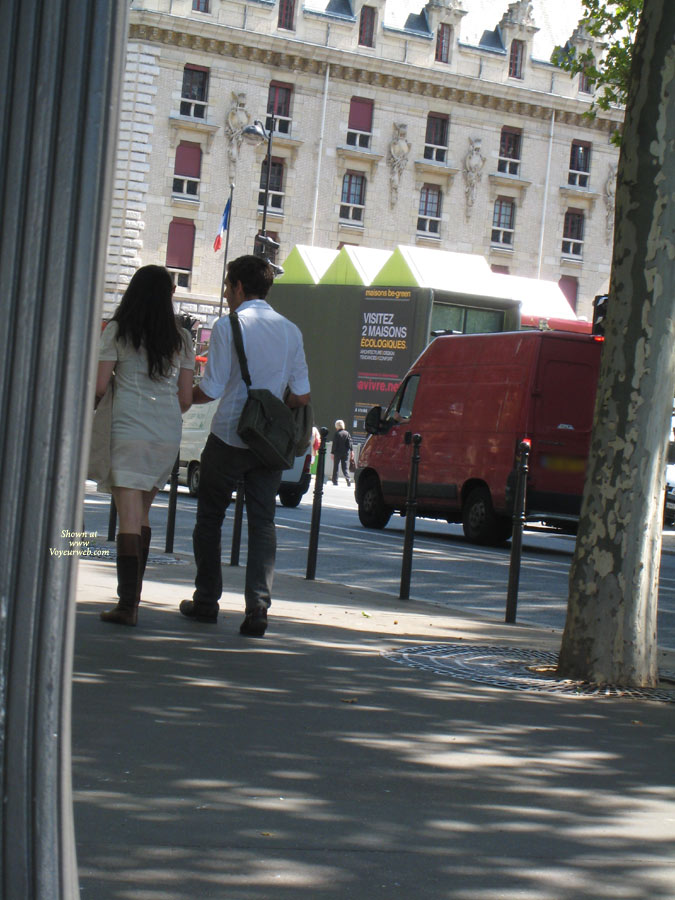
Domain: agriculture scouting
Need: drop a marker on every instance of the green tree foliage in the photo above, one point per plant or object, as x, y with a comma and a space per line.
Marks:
613, 24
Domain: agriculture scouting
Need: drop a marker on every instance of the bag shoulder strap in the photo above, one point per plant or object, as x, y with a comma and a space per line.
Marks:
239, 347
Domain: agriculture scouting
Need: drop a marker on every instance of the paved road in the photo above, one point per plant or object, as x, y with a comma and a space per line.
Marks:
446, 569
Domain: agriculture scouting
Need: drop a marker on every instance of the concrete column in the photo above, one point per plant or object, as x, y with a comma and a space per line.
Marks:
60, 74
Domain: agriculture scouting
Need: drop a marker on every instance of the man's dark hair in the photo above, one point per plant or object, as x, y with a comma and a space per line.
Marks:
256, 275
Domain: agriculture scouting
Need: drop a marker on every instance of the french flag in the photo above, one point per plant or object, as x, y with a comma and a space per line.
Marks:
218, 243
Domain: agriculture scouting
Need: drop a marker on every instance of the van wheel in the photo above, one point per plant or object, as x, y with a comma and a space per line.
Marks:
290, 496
479, 522
372, 511
193, 479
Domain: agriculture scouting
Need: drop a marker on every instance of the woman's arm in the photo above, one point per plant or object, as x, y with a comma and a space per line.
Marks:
185, 378
103, 376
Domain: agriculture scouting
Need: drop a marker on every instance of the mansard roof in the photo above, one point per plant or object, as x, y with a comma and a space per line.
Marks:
335, 9
556, 20
409, 17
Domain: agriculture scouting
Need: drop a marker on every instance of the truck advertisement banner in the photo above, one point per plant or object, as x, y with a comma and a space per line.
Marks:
385, 349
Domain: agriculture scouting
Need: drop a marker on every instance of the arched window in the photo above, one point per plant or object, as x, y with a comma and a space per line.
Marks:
194, 91
180, 249
360, 125
503, 222
353, 199
187, 170
429, 217
573, 234
279, 107
509, 151
436, 137
275, 195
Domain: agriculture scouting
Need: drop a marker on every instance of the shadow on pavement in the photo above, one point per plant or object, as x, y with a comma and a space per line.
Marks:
305, 766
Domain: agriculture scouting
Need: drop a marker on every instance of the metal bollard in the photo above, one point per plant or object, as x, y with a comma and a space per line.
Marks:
112, 519
517, 538
410, 514
316, 508
237, 523
171, 514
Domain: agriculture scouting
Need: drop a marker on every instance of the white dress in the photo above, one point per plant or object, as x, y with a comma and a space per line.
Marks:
146, 416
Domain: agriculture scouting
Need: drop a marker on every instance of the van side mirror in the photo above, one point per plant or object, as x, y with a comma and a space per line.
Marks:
373, 421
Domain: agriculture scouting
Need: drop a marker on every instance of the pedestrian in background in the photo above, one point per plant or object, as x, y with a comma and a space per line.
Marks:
153, 360
276, 360
341, 451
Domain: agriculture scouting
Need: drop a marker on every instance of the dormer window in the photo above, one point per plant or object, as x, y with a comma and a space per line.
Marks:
443, 39
516, 59
585, 84
286, 14
367, 27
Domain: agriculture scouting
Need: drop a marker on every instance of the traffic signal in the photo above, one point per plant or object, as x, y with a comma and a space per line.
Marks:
265, 246
599, 314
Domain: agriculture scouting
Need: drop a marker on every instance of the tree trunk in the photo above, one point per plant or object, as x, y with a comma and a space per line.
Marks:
610, 632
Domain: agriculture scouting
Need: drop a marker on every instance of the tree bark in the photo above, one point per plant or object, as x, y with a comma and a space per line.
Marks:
610, 632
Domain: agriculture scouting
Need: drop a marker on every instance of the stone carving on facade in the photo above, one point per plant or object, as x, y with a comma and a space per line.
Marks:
397, 159
610, 200
581, 36
473, 172
236, 120
519, 13
445, 6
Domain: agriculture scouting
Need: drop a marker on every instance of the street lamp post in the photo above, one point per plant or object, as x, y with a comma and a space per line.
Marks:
256, 134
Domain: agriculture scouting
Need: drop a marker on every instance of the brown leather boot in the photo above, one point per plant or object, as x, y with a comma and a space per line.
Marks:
128, 579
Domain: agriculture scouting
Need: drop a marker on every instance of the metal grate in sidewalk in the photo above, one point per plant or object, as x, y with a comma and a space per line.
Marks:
516, 669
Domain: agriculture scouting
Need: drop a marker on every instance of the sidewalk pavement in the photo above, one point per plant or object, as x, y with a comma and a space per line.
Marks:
307, 766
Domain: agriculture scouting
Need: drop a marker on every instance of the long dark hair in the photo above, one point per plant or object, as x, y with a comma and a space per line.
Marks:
145, 317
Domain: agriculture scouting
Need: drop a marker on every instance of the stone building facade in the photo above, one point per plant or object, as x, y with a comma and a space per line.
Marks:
389, 129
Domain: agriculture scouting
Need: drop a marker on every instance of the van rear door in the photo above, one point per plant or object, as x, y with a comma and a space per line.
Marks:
562, 418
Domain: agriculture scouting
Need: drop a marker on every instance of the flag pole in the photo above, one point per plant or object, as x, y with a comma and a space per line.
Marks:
227, 244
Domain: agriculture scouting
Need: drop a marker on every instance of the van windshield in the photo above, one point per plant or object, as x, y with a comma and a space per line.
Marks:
404, 398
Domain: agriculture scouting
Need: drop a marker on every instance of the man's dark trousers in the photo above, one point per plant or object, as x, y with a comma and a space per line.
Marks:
221, 467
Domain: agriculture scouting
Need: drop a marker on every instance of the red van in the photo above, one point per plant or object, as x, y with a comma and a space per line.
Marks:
473, 398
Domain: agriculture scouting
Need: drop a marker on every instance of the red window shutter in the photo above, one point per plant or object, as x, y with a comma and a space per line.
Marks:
361, 114
196, 68
188, 159
180, 245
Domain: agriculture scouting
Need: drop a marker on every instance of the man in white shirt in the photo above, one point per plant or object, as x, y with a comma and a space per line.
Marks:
276, 360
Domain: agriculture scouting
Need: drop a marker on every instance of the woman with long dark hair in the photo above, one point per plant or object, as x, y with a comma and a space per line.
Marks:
153, 360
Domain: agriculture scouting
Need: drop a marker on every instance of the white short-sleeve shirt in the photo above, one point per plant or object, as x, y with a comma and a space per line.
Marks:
275, 356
